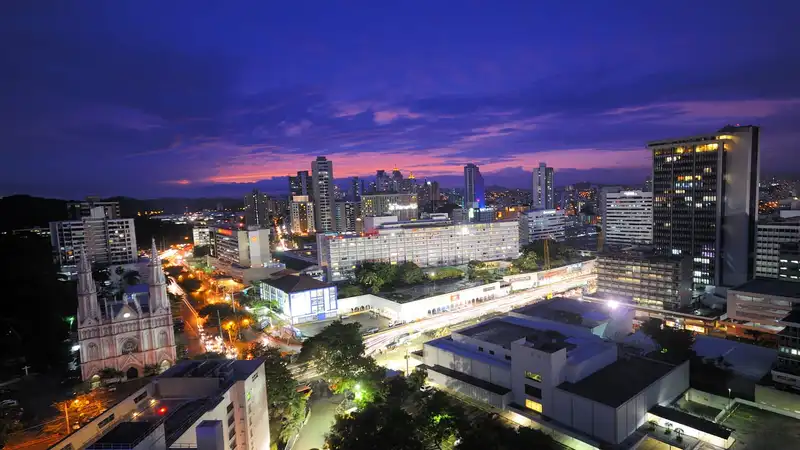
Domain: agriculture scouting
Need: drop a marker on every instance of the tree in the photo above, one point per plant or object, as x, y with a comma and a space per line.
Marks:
108, 373
372, 280
438, 421
410, 273
337, 351
350, 290
445, 273
489, 433
226, 314
281, 386
380, 426
293, 418
151, 369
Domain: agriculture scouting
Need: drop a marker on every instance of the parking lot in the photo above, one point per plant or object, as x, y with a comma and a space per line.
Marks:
366, 319
755, 428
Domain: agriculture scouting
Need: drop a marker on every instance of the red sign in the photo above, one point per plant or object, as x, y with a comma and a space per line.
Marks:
225, 231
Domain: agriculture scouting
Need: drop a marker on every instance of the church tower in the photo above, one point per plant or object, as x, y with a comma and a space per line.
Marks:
133, 335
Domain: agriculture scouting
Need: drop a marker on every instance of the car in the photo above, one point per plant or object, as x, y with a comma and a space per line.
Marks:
371, 330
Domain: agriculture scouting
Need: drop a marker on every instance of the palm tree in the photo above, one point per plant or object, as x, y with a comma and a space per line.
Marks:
151, 369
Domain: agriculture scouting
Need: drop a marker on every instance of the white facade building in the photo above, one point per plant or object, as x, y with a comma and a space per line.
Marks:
245, 248
301, 298
556, 359
107, 241
301, 211
542, 224
201, 236
628, 218
543, 197
771, 234
127, 334
425, 243
404, 206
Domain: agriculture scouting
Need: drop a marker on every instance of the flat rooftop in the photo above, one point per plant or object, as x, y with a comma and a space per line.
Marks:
213, 368
770, 287
620, 381
497, 332
569, 311
125, 433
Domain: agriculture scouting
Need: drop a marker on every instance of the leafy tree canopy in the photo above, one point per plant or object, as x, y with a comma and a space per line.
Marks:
337, 351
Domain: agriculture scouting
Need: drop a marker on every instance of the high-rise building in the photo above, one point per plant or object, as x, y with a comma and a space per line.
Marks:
256, 209
543, 197
774, 234
648, 184
396, 181
201, 236
427, 243
322, 178
356, 189
428, 195
789, 258
656, 281
628, 218
125, 334
474, 195
382, 181
404, 206
301, 211
79, 210
542, 224
300, 184
107, 241
705, 202
243, 248
348, 218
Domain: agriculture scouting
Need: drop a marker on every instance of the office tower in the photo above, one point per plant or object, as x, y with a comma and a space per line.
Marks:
347, 216
543, 187
300, 184
107, 241
125, 334
473, 187
382, 181
322, 179
705, 202
356, 188
201, 236
396, 181
645, 278
404, 206
648, 184
542, 224
428, 243
409, 185
428, 195
256, 209
244, 248
628, 218
775, 235
301, 211
79, 210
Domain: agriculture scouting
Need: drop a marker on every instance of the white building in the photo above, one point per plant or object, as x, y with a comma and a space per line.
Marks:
555, 359
322, 183
211, 405
628, 218
771, 234
127, 334
107, 241
244, 248
301, 298
301, 211
763, 302
542, 224
201, 236
543, 197
427, 243
404, 206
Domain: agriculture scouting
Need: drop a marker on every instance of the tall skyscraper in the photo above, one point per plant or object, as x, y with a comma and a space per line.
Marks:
705, 202
428, 194
256, 209
300, 184
347, 216
543, 187
473, 187
356, 188
322, 179
382, 181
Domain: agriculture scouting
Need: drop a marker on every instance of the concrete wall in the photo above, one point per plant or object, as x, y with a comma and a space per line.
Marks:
474, 392
219, 412
499, 374
704, 398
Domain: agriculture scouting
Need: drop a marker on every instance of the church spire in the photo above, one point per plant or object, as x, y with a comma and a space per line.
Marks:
88, 307
158, 282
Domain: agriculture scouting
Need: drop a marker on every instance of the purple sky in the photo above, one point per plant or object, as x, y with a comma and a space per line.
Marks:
174, 98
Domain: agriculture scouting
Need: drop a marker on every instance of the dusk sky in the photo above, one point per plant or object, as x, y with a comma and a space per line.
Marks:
211, 98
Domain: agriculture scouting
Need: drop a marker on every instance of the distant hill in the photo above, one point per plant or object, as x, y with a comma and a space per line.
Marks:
25, 211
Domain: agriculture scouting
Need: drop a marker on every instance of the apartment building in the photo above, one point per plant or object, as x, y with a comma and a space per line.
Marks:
107, 241
772, 234
628, 218
542, 224
404, 206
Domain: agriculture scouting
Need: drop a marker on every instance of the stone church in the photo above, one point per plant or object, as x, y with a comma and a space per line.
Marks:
126, 334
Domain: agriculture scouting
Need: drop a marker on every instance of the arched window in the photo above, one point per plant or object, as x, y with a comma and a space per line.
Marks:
129, 346
163, 340
93, 352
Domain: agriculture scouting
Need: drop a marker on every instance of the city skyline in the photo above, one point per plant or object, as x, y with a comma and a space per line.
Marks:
99, 106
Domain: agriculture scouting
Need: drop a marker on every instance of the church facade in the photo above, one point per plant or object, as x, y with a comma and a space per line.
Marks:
128, 334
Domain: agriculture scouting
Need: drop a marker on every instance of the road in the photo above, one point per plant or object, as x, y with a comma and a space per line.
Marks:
323, 414
380, 340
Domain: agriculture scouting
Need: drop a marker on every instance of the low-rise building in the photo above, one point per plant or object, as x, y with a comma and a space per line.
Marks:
301, 297
248, 248
763, 302
561, 368
772, 234
182, 406
542, 224
644, 278
427, 243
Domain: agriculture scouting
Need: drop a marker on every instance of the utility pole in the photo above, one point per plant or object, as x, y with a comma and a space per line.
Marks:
66, 414
219, 323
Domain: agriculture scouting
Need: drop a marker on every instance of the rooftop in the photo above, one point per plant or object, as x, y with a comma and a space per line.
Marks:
770, 287
213, 368
296, 283
124, 433
620, 381
569, 311
698, 423
498, 332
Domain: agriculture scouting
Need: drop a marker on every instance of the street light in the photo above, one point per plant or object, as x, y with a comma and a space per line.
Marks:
729, 396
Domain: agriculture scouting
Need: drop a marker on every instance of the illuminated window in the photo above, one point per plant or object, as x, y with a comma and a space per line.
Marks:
533, 376
535, 406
